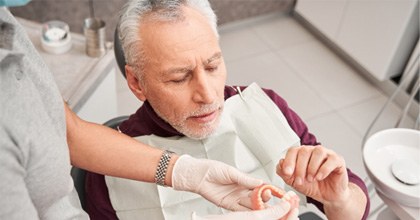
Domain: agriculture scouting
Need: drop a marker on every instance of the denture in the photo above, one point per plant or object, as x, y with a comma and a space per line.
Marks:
257, 202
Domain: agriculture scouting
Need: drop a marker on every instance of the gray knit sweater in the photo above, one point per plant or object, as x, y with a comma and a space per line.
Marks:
35, 181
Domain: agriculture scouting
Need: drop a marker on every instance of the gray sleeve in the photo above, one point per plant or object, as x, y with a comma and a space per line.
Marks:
15, 202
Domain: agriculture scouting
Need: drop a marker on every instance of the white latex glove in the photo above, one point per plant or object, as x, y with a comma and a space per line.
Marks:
279, 211
219, 183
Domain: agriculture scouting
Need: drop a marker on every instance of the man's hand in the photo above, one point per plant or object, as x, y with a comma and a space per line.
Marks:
317, 172
321, 174
280, 211
219, 183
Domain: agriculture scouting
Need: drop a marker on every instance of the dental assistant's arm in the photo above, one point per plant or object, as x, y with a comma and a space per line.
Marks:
103, 150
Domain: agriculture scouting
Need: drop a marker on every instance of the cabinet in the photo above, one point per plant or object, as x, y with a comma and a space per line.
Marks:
379, 35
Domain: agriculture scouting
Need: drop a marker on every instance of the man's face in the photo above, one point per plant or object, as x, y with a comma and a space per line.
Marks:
184, 74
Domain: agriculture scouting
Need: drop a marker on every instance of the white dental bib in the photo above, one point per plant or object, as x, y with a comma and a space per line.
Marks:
252, 136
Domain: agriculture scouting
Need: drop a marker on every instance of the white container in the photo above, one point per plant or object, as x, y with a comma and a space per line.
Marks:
56, 38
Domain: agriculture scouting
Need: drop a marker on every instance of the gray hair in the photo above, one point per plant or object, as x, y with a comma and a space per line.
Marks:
135, 11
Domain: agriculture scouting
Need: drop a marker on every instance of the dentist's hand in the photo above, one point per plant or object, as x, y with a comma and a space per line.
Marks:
280, 211
219, 183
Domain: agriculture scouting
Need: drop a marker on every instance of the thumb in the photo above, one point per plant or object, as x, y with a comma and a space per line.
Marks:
244, 179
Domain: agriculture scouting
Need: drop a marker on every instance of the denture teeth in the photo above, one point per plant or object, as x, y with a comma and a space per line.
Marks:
256, 197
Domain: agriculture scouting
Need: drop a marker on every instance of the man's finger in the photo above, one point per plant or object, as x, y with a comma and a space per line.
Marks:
333, 163
319, 155
289, 162
302, 162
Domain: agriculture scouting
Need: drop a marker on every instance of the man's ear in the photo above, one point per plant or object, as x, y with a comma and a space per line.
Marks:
134, 83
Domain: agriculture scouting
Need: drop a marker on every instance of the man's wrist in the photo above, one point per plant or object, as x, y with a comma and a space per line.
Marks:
340, 201
352, 204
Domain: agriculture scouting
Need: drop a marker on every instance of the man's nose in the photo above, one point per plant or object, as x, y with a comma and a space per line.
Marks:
204, 91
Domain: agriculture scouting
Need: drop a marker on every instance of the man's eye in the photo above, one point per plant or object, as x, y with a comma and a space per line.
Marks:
179, 80
212, 69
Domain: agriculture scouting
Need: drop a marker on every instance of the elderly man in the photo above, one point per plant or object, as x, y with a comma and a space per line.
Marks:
175, 65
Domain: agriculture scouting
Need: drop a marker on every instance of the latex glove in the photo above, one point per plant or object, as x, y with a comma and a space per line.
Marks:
279, 211
219, 183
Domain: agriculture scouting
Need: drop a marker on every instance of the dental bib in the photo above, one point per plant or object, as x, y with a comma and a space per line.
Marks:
252, 136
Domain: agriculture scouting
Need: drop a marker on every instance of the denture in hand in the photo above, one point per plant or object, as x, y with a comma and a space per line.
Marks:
257, 202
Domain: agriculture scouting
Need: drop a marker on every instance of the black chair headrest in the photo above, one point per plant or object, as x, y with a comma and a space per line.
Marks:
119, 54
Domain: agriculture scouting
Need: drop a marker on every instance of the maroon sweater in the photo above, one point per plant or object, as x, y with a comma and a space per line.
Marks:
146, 122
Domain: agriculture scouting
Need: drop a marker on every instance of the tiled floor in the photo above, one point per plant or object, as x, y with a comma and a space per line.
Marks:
278, 53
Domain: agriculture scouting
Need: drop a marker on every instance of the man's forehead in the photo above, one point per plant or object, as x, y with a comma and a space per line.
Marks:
178, 46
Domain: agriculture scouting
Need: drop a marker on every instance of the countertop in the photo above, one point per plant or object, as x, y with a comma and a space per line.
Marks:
76, 74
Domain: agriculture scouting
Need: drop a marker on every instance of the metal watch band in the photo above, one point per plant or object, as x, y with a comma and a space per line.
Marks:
163, 167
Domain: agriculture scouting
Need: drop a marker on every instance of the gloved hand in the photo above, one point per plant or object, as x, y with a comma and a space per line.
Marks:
280, 211
219, 183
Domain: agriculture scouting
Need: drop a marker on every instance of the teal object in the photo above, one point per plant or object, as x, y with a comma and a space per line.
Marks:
13, 3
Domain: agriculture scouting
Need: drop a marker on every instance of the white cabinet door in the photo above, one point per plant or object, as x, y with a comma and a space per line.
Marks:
325, 15
378, 34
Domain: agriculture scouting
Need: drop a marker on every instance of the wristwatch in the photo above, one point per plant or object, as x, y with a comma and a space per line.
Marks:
163, 167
